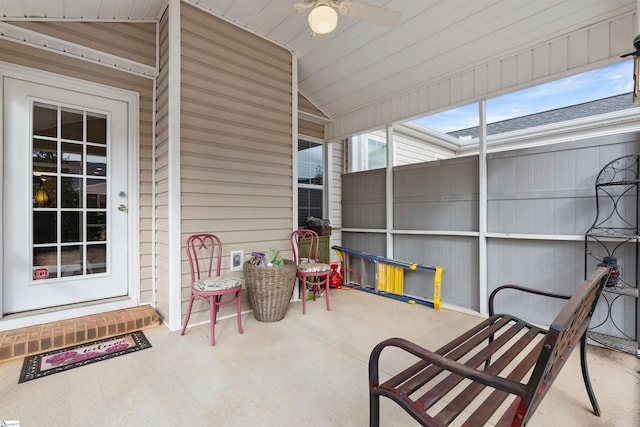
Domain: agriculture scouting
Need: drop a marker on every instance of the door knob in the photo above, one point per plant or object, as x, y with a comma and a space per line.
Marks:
122, 208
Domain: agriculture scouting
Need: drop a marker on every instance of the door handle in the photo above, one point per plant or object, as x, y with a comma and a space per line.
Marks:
122, 208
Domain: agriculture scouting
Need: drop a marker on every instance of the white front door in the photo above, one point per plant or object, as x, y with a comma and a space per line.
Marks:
64, 197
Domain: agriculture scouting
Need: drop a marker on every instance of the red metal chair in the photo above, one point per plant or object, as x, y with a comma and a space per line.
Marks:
204, 252
304, 244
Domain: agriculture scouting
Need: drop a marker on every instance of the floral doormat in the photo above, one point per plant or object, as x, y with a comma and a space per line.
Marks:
52, 362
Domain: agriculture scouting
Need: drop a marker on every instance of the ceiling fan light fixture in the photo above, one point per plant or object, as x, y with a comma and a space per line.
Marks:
323, 19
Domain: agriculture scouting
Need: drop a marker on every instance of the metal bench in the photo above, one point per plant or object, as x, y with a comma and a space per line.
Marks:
497, 372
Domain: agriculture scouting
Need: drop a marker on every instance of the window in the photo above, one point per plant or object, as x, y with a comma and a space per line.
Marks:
310, 181
376, 153
368, 151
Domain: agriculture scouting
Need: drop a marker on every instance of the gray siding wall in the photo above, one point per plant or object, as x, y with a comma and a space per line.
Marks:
540, 203
368, 243
440, 195
550, 191
236, 141
458, 257
64, 65
363, 199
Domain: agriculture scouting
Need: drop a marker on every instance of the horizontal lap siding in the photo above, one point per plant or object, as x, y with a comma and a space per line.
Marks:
61, 64
307, 128
409, 151
310, 126
236, 140
135, 41
306, 106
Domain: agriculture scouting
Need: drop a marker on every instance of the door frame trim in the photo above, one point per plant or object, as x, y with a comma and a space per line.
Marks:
132, 99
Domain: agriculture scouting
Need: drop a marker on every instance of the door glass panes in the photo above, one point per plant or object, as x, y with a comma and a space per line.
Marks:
96, 193
69, 209
71, 160
97, 161
44, 190
96, 226
97, 128
71, 226
96, 259
45, 262
72, 124
45, 120
45, 226
71, 192
45, 155
72, 260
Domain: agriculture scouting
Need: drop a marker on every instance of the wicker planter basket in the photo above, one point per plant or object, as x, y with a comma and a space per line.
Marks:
270, 289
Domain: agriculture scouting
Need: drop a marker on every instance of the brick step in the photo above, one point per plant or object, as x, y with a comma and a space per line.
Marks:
51, 336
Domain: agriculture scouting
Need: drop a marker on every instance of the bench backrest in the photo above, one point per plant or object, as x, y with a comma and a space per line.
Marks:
564, 334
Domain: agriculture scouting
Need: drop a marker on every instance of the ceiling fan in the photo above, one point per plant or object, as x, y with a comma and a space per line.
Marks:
323, 16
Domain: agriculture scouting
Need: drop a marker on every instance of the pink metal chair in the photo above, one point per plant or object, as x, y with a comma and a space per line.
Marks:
204, 252
310, 272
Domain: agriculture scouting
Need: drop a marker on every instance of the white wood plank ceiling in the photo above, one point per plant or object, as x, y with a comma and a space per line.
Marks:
361, 64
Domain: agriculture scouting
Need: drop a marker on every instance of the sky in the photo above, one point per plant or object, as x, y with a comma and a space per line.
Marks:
596, 84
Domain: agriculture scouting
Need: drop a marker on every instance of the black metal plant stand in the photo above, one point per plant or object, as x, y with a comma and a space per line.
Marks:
614, 232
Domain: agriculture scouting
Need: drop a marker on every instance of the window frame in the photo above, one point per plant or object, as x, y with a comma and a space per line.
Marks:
322, 187
359, 154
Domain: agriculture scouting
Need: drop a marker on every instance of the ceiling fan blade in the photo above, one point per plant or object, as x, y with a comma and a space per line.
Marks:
374, 14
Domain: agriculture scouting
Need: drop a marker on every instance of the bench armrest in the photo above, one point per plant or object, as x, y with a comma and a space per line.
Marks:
458, 368
522, 289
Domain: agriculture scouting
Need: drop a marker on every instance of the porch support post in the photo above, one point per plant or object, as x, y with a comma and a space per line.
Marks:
389, 191
174, 217
482, 207
294, 156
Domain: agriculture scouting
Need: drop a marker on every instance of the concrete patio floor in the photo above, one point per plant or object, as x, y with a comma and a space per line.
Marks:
302, 371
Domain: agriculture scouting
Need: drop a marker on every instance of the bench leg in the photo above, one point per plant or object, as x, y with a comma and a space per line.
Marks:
585, 375
374, 410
